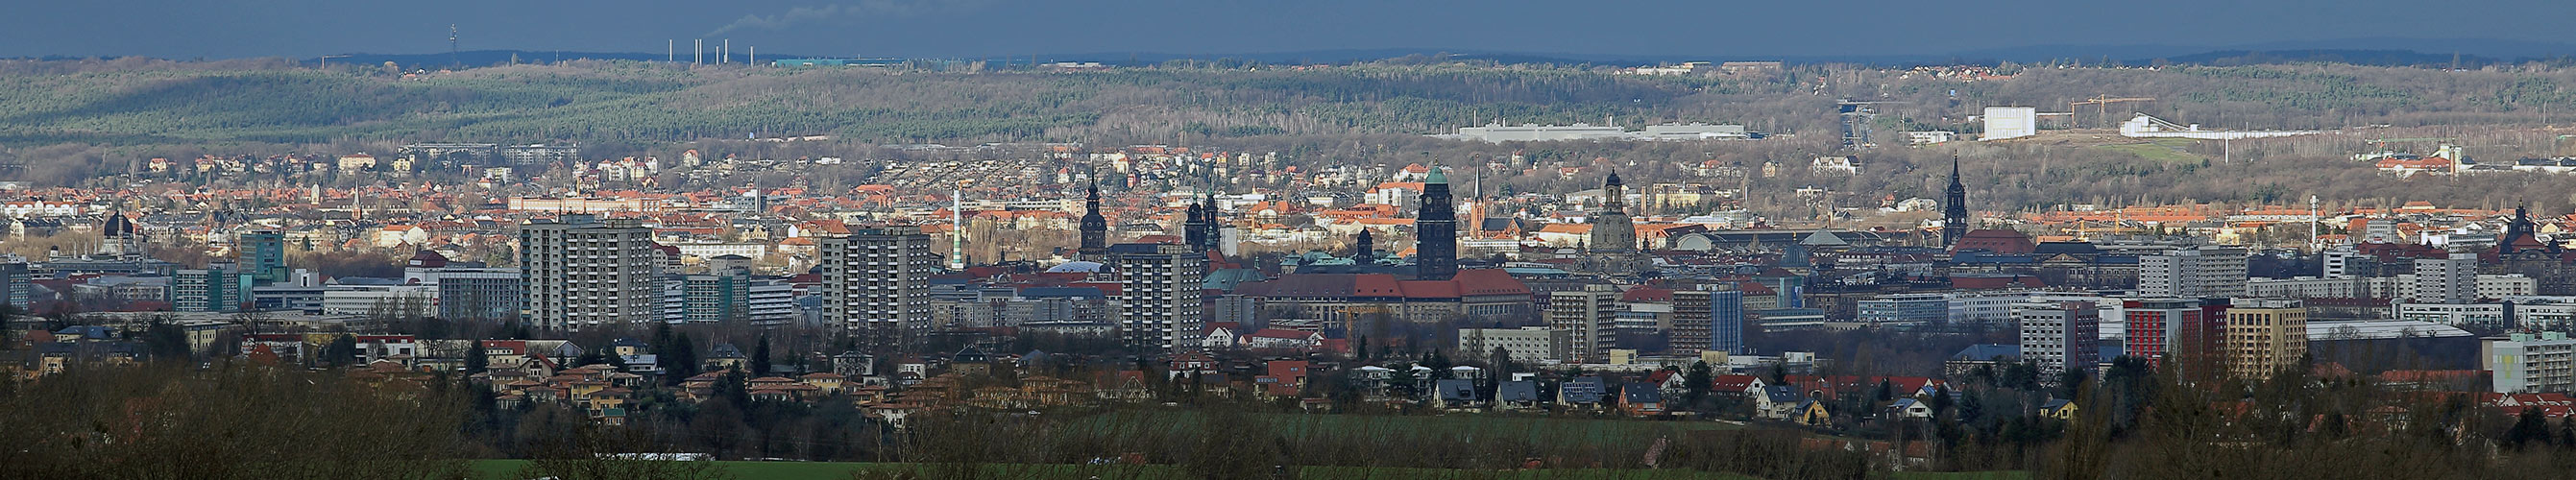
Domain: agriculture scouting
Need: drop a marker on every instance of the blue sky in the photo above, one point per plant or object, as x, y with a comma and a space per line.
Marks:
974, 28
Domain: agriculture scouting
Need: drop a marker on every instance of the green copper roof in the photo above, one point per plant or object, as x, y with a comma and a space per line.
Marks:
1436, 176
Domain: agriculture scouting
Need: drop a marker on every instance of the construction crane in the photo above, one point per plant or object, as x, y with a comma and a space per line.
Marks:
326, 60
2102, 105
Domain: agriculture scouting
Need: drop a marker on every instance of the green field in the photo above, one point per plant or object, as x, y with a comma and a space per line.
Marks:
1586, 431
503, 469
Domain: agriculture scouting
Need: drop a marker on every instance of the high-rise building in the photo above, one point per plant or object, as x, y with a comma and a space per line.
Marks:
581, 271
264, 253
2447, 280
715, 297
2060, 336
876, 282
1708, 320
1436, 230
1612, 231
2264, 336
1159, 295
1095, 227
2165, 327
2528, 363
1590, 318
16, 289
216, 289
2198, 272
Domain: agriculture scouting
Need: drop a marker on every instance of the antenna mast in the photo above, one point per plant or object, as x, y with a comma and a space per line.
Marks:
452, 61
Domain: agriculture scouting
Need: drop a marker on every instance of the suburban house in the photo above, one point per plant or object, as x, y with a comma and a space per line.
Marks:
1909, 408
1516, 395
1457, 394
1582, 392
1811, 413
2061, 409
1641, 399
1778, 402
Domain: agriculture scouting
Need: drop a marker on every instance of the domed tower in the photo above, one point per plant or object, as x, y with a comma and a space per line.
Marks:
1612, 230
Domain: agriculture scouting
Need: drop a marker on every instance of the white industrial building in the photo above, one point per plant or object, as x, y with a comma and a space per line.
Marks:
2010, 122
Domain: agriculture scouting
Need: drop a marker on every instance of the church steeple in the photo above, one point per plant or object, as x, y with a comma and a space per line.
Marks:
1954, 208
1095, 228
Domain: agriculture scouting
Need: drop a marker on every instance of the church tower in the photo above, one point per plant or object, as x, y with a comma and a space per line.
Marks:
1436, 230
1095, 228
1612, 231
1954, 208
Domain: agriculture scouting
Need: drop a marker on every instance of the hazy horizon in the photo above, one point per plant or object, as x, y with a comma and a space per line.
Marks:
989, 28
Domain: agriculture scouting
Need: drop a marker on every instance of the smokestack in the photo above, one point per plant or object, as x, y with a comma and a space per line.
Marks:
698, 51
727, 53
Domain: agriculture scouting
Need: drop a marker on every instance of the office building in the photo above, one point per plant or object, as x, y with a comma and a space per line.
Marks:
2060, 336
582, 271
1904, 310
217, 289
2529, 363
1710, 320
2264, 336
2196, 272
1159, 293
263, 252
876, 282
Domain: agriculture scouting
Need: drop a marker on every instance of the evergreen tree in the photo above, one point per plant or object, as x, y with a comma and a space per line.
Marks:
760, 357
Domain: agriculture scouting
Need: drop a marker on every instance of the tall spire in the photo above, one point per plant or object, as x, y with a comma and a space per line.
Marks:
1954, 208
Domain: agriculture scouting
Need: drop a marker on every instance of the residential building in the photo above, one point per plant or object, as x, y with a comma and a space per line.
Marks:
581, 271
2446, 280
1529, 345
2196, 272
2530, 363
218, 289
2265, 335
1589, 318
2060, 336
16, 289
2158, 328
876, 282
1159, 292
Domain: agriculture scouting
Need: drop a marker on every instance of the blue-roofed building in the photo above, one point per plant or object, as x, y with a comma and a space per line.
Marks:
1516, 395
1581, 392
1456, 394
1641, 399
